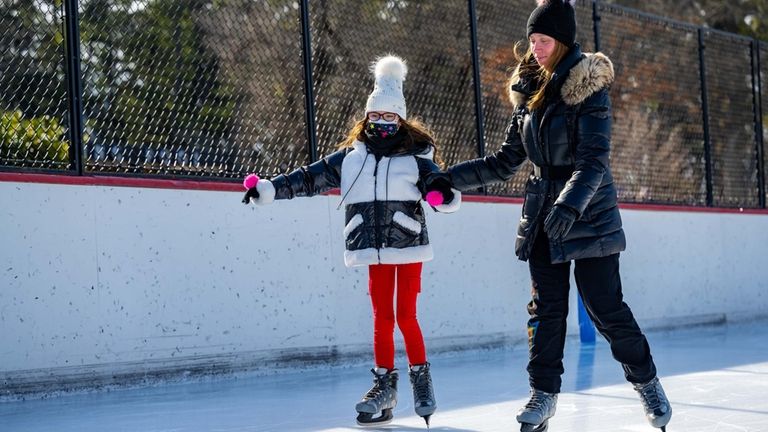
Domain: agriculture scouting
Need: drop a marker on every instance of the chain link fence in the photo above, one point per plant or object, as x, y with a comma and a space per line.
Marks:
761, 58
658, 152
33, 106
728, 66
499, 28
191, 87
433, 37
215, 89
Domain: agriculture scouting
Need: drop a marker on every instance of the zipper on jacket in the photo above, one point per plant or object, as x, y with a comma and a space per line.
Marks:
376, 219
545, 152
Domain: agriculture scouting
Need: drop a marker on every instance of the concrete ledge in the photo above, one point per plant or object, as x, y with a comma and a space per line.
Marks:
45, 383
673, 323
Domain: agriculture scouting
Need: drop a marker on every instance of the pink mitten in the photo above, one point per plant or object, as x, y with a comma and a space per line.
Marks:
250, 181
434, 198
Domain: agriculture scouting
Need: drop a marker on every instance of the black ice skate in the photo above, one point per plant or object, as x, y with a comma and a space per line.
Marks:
423, 395
382, 397
535, 415
658, 411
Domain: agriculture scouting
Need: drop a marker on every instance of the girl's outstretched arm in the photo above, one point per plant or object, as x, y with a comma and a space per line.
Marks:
306, 181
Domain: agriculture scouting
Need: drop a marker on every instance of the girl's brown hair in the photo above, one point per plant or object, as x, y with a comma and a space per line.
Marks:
527, 66
417, 134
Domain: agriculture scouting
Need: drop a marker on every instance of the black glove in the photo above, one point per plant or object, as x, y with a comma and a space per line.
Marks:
441, 182
559, 221
251, 193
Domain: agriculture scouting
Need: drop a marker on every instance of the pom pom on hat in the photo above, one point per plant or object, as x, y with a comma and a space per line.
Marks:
390, 66
387, 95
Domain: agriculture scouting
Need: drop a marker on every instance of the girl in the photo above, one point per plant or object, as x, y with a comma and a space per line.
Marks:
380, 169
562, 123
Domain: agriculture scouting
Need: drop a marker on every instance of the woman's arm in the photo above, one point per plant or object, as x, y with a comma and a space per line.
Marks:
496, 168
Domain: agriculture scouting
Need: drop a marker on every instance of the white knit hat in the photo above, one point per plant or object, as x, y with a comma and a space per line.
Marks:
387, 92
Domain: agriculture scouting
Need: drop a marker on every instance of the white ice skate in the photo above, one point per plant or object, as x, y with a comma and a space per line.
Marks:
535, 415
658, 411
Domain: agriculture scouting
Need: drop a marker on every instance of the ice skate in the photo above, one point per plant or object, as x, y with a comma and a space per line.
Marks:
382, 397
423, 395
658, 411
535, 415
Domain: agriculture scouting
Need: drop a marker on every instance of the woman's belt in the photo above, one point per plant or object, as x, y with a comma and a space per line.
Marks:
553, 172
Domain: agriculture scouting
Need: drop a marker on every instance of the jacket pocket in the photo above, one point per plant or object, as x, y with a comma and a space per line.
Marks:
404, 221
529, 221
355, 222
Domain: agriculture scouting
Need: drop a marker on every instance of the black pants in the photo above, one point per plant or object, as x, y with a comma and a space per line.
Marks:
599, 284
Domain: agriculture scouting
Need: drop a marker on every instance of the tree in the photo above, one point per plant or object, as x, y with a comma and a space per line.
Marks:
38, 139
746, 17
153, 97
33, 97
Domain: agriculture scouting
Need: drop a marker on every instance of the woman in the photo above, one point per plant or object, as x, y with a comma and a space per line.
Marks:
562, 123
380, 169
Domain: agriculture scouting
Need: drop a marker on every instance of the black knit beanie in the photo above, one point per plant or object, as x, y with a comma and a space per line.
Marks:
555, 18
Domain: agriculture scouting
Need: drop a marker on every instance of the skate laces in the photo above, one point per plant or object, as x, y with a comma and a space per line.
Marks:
375, 392
380, 384
539, 401
650, 394
422, 381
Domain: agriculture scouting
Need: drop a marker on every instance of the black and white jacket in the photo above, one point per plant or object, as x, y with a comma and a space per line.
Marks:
385, 221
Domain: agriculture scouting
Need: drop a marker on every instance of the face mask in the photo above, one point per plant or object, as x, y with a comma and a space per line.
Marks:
382, 129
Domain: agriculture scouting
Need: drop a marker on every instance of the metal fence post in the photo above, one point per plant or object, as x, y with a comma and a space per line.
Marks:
757, 105
596, 24
309, 97
74, 84
479, 120
586, 327
705, 116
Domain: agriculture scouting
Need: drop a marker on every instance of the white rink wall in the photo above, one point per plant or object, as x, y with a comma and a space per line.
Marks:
118, 285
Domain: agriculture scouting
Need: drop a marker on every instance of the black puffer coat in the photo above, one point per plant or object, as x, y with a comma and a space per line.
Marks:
568, 141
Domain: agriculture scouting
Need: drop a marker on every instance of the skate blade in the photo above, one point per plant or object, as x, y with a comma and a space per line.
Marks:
368, 420
527, 427
426, 419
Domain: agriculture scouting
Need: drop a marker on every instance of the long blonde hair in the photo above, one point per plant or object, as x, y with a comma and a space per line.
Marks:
528, 67
417, 133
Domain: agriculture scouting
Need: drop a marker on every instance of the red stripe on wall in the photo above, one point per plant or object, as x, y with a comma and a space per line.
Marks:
236, 186
90, 180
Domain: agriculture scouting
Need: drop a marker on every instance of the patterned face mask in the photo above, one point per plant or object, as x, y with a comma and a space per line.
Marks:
382, 129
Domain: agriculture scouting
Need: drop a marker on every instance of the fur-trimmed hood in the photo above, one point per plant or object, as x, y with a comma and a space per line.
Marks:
593, 73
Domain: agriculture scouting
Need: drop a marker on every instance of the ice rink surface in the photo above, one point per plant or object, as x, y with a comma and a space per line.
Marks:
716, 378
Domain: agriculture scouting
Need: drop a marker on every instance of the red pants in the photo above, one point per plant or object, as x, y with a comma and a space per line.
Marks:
381, 285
